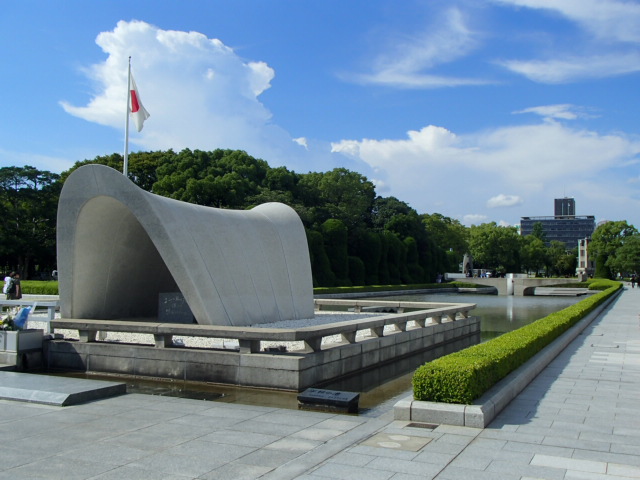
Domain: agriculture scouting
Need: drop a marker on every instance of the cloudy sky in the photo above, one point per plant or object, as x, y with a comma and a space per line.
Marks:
481, 110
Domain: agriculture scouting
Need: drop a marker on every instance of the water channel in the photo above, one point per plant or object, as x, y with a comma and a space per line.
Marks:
380, 388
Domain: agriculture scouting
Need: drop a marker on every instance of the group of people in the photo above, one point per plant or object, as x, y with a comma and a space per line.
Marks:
12, 288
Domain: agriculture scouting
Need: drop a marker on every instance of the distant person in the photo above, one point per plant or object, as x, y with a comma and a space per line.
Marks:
7, 283
54, 274
14, 292
633, 280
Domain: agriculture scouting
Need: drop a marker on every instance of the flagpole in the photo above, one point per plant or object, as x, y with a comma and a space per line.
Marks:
126, 130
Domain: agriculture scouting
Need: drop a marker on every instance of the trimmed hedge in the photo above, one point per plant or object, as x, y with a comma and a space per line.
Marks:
463, 376
392, 288
36, 287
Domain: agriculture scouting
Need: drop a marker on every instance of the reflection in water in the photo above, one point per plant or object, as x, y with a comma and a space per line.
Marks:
498, 313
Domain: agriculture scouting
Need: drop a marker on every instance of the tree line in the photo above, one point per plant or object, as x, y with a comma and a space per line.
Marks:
355, 236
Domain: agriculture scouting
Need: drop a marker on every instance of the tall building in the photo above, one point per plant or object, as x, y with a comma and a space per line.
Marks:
564, 207
565, 226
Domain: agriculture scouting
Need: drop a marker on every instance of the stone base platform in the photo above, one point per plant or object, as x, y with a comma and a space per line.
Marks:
59, 391
293, 371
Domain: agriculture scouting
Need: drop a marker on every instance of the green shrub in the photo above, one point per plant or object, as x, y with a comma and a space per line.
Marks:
463, 376
36, 287
379, 288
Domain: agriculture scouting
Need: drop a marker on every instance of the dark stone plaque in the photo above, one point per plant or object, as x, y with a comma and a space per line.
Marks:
173, 308
329, 399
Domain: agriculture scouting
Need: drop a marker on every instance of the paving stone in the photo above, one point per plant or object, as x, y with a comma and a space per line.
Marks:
396, 442
347, 472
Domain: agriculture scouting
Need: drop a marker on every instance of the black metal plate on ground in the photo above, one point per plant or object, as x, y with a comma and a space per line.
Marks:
332, 399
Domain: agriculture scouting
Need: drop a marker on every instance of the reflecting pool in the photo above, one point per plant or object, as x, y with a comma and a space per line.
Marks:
498, 313
382, 387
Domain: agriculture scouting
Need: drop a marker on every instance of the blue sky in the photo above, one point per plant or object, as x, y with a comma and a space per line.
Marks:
481, 110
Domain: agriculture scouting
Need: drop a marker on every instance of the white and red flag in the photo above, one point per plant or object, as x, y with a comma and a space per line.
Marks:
137, 110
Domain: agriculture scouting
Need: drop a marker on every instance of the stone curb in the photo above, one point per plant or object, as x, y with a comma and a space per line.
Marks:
487, 407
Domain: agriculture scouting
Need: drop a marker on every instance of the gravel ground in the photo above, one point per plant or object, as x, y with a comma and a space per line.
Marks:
38, 320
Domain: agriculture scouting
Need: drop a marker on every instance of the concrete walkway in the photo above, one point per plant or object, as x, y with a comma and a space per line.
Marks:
577, 420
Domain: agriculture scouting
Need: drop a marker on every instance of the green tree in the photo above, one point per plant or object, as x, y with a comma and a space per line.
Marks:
533, 253
29, 200
340, 194
450, 235
605, 241
222, 178
320, 265
538, 232
385, 209
334, 233
495, 247
627, 257
142, 168
555, 255
567, 263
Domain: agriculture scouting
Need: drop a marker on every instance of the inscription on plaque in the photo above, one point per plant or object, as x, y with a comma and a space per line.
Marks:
173, 308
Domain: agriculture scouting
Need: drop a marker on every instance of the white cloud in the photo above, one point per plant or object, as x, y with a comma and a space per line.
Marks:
607, 19
199, 92
571, 68
405, 62
302, 141
609, 47
562, 111
503, 200
434, 169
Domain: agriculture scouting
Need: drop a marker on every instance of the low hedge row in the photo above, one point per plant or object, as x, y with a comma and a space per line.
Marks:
463, 376
392, 288
37, 287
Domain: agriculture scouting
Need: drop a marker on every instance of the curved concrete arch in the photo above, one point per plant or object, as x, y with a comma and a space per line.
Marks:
119, 247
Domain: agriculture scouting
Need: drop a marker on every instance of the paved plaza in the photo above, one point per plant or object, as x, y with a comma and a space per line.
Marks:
577, 420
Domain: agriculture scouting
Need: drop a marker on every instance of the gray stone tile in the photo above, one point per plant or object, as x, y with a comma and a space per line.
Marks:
127, 472
198, 448
267, 428
144, 440
569, 463
404, 466
173, 464
105, 453
291, 444
237, 471
318, 434
383, 452
519, 469
457, 473
347, 472
454, 439
340, 423
511, 436
436, 458
541, 449
406, 476
629, 458
54, 468
353, 459
471, 460
269, 458
232, 437
205, 421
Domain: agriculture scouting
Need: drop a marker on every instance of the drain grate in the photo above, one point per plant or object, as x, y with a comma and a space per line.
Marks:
428, 426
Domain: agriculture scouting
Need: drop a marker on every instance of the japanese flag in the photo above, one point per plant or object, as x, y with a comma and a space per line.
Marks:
138, 112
